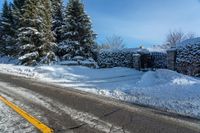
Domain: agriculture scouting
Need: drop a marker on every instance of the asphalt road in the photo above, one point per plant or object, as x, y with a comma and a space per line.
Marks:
73, 111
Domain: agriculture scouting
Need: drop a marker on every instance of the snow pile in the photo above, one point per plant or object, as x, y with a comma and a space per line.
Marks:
18, 70
183, 81
8, 60
162, 89
170, 91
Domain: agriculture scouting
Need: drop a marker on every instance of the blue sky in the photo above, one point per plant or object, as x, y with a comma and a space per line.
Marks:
142, 22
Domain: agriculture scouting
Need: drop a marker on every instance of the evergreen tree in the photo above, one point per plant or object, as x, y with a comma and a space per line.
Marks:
35, 37
77, 34
29, 38
1, 36
49, 45
6, 29
57, 9
17, 11
18, 4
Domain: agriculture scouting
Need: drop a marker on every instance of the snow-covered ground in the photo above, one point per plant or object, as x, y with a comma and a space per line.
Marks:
8, 60
162, 88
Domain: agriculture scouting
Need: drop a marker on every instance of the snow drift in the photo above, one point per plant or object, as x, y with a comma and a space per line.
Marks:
164, 89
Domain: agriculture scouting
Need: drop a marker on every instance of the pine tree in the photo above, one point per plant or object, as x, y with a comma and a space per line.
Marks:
6, 29
35, 37
57, 14
18, 4
77, 34
1, 35
29, 38
49, 45
17, 11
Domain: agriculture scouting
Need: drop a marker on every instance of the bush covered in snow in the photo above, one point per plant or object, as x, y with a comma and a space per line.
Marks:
79, 60
159, 60
115, 58
8, 60
188, 57
131, 58
118, 58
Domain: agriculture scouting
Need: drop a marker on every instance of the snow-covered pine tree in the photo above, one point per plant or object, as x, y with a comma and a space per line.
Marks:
35, 35
1, 36
57, 14
17, 11
47, 50
18, 4
77, 34
6, 29
29, 37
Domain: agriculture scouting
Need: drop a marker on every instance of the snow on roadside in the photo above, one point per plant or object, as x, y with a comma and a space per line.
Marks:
163, 89
8, 60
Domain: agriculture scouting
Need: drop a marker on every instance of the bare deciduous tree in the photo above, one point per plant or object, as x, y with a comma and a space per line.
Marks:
177, 37
113, 42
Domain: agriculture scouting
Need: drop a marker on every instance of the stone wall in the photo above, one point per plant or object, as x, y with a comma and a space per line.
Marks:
171, 59
136, 61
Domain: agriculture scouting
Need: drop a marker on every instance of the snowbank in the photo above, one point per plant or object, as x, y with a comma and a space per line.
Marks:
8, 60
163, 89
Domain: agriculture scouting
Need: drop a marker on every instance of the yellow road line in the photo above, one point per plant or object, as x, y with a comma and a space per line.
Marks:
39, 125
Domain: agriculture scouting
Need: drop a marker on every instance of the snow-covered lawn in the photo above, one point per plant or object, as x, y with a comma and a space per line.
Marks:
163, 89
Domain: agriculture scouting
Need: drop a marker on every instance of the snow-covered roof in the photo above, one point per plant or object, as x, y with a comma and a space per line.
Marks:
194, 41
157, 49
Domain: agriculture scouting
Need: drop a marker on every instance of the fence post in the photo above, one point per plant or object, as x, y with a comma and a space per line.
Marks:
136, 61
171, 59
